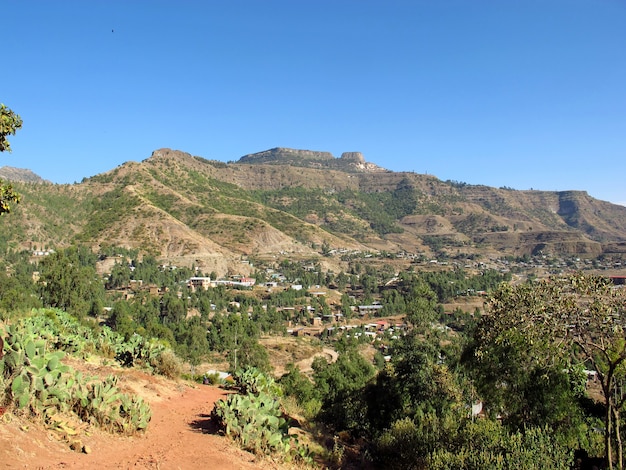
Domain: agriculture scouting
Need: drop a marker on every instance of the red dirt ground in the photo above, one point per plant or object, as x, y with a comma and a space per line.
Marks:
180, 436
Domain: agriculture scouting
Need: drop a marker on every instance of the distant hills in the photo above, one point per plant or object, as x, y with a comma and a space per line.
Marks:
9, 173
288, 202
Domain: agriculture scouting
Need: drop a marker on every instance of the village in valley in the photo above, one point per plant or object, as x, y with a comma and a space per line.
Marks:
327, 305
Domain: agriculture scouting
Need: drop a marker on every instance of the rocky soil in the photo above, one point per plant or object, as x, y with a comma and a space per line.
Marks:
180, 436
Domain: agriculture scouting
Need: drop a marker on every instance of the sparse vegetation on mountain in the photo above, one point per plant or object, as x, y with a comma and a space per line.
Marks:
173, 204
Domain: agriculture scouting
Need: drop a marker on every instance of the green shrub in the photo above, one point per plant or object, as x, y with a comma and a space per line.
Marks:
398, 447
101, 402
256, 419
533, 449
211, 379
167, 364
441, 443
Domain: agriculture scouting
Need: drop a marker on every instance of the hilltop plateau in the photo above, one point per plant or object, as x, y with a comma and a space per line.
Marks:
284, 202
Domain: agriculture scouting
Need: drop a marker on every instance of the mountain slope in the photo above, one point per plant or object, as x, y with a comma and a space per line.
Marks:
9, 173
192, 210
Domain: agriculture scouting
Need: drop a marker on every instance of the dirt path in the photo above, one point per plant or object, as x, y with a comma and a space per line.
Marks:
180, 436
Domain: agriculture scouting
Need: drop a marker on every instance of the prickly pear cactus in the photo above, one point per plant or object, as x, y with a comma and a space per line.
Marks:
34, 378
255, 417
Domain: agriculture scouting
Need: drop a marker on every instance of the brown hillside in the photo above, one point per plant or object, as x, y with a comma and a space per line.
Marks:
191, 210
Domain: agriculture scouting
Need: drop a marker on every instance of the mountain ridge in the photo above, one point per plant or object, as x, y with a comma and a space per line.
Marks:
24, 175
190, 210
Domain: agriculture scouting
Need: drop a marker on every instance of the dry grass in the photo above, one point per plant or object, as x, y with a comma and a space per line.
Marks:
289, 349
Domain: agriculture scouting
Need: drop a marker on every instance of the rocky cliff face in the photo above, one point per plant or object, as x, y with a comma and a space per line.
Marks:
285, 155
353, 157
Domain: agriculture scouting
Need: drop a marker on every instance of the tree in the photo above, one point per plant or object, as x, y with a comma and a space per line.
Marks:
575, 319
341, 280
9, 124
596, 325
421, 303
172, 309
120, 319
249, 353
340, 385
299, 386
69, 281
16, 293
120, 276
424, 380
192, 341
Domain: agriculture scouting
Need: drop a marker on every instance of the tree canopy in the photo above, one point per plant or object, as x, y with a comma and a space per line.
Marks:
9, 124
540, 336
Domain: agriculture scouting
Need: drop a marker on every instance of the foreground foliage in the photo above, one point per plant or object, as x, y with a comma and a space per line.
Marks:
531, 351
439, 443
255, 417
524, 362
9, 124
36, 382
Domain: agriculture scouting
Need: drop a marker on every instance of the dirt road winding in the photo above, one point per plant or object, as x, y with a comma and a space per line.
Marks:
180, 436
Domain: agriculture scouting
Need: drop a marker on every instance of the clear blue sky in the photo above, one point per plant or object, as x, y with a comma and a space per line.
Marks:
518, 93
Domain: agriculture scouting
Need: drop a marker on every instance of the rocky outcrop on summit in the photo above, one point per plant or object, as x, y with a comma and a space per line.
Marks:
281, 155
354, 161
349, 162
354, 157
